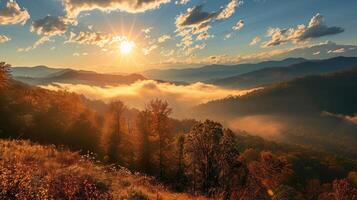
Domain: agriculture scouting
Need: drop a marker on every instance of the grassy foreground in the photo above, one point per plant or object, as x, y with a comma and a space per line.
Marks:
31, 171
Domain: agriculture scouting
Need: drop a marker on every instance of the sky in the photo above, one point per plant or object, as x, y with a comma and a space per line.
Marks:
135, 35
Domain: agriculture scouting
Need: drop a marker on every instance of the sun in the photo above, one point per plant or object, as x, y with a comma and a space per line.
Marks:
126, 47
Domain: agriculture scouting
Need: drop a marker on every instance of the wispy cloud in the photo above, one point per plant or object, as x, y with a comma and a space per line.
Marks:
255, 41
38, 43
94, 38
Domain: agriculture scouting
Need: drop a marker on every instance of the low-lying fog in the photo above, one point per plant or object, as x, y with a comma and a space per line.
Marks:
180, 97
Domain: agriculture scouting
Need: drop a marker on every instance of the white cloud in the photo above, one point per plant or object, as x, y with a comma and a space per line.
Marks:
316, 28
148, 50
239, 25
195, 23
229, 10
4, 38
74, 7
255, 41
203, 36
227, 36
163, 38
13, 14
340, 50
181, 2
94, 38
51, 25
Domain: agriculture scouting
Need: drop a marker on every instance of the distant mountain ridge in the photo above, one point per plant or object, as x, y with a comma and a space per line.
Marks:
210, 72
44, 75
34, 72
273, 75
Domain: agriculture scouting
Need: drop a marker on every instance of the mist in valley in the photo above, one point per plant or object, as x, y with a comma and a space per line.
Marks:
181, 98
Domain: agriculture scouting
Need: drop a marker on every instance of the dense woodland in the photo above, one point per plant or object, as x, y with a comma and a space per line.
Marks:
197, 157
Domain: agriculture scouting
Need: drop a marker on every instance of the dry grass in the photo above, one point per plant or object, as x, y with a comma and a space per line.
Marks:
30, 171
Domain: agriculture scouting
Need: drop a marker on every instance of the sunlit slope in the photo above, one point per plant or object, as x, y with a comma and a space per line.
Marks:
30, 171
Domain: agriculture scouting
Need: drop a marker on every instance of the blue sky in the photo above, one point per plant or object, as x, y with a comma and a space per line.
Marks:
28, 38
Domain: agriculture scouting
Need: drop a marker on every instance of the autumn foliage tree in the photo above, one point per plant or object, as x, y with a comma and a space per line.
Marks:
160, 112
113, 149
211, 153
4, 74
145, 156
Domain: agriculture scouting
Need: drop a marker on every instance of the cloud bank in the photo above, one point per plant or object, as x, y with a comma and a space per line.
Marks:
180, 97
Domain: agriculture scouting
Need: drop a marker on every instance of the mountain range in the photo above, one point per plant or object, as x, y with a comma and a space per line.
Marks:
272, 75
242, 76
42, 75
209, 72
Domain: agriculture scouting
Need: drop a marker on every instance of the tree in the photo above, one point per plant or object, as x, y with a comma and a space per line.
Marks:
271, 170
4, 74
344, 190
84, 133
265, 179
212, 157
145, 147
160, 112
117, 109
180, 175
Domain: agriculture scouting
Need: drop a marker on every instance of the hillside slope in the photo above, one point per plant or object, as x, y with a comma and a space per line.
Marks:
30, 171
318, 111
279, 74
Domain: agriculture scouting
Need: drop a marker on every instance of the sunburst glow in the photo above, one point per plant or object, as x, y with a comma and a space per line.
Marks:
126, 47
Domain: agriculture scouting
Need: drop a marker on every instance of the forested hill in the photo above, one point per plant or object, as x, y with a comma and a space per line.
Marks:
315, 111
332, 93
